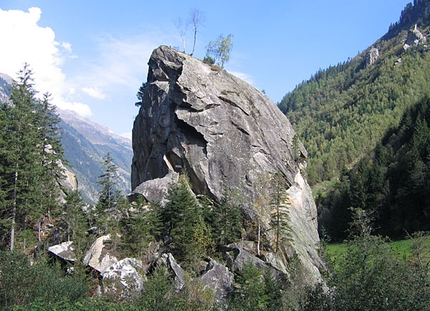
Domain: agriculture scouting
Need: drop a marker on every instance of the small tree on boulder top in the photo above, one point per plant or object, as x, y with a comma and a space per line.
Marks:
219, 50
196, 19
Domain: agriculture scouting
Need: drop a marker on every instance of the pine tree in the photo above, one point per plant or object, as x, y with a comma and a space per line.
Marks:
183, 221
51, 158
73, 216
280, 213
25, 139
225, 220
110, 201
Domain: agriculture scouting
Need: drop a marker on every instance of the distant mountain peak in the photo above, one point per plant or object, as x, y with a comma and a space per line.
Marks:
94, 132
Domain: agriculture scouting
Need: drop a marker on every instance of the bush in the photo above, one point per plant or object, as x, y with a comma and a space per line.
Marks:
23, 282
370, 276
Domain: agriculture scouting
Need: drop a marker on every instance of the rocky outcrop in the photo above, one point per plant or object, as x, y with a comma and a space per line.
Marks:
121, 278
415, 38
228, 137
372, 56
177, 271
218, 278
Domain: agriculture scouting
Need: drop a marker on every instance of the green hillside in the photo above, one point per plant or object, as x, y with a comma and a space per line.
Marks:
342, 112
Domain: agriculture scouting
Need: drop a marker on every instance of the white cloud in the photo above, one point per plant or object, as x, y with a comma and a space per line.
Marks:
244, 76
24, 41
94, 92
119, 62
82, 109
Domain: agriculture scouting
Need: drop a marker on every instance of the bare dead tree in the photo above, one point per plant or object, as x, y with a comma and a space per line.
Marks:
197, 19
182, 28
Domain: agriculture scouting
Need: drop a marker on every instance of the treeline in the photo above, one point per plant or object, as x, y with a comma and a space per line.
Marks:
393, 182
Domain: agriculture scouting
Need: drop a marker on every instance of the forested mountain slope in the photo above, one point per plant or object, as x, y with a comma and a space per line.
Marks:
342, 112
392, 183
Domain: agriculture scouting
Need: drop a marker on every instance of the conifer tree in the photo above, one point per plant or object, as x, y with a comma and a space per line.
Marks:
108, 205
26, 136
73, 216
182, 217
225, 220
280, 212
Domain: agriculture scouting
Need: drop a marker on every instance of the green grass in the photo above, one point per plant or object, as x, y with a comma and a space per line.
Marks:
402, 247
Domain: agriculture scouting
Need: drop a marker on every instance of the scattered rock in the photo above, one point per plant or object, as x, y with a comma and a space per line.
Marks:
415, 38
123, 278
65, 251
237, 257
218, 278
100, 256
177, 270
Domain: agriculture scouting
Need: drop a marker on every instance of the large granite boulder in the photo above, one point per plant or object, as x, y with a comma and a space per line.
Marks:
100, 256
123, 278
218, 278
228, 137
65, 251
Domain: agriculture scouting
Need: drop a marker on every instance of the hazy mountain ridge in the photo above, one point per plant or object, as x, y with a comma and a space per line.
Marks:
85, 144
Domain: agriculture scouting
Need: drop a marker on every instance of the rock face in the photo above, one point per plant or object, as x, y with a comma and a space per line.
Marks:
372, 56
415, 38
227, 136
99, 256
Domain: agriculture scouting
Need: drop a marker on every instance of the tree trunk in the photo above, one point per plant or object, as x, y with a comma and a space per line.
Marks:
258, 237
12, 229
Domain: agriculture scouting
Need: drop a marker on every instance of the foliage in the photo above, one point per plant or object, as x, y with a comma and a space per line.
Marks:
140, 93
224, 219
393, 180
219, 50
22, 282
370, 276
110, 201
183, 223
195, 20
251, 291
140, 228
280, 213
74, 220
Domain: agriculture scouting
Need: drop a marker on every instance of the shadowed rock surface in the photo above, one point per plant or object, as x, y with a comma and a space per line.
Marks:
228, 137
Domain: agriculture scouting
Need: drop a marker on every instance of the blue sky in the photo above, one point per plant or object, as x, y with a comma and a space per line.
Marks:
92, 55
